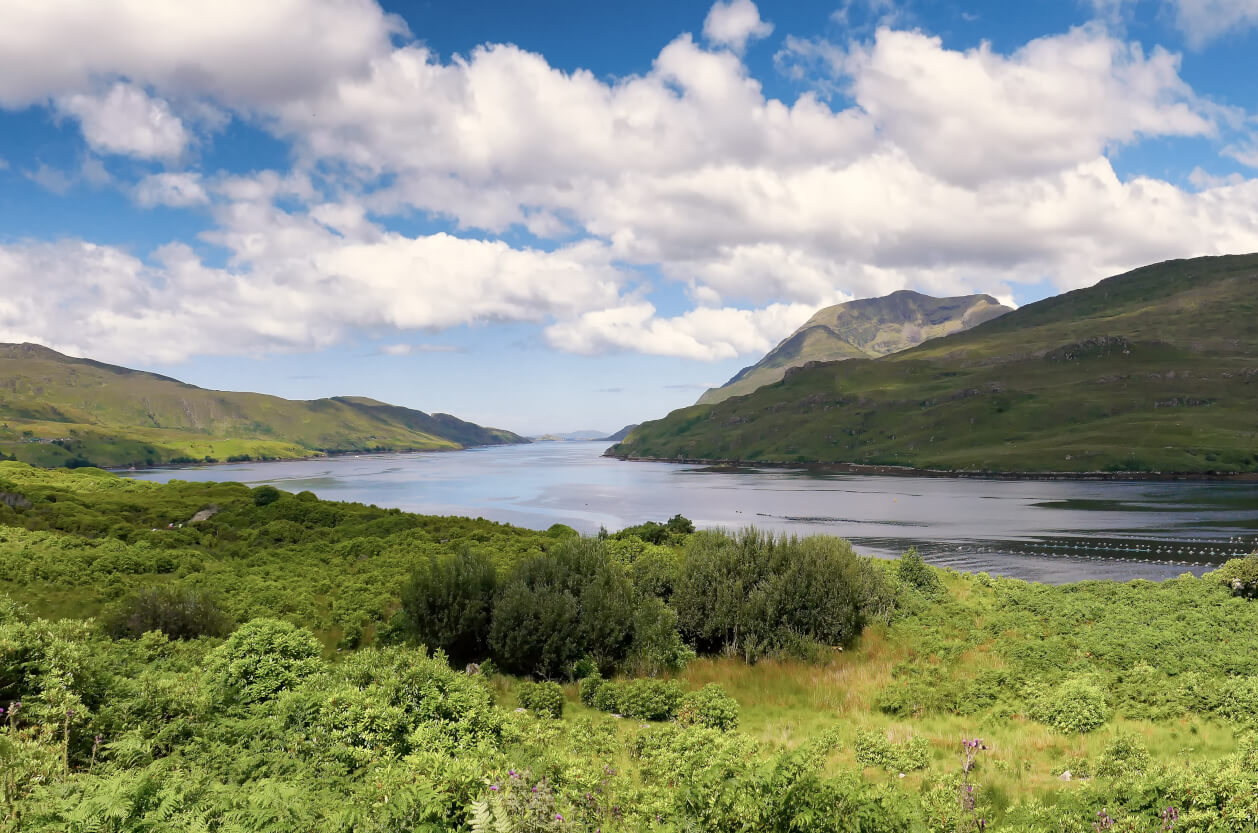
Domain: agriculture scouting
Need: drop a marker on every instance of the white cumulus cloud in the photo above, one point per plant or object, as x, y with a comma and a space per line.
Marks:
126, 120
734, 22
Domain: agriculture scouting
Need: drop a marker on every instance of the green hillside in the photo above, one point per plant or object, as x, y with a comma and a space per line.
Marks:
56, 410
1152, 371
864, 329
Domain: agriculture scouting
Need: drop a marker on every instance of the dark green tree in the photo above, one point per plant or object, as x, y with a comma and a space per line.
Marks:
448, 604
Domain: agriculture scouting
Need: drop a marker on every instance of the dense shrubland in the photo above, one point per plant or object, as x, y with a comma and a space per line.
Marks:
292, 664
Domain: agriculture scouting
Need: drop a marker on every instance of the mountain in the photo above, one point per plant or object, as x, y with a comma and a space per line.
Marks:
58, 410
864, 329
569, 436
621, 434
1155, 370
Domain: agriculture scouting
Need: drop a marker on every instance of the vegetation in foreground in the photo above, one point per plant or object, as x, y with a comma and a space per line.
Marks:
60, 411
261, 669
1152, 371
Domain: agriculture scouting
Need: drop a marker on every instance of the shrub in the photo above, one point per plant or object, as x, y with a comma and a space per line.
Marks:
542, 699
657, 645
178, 612
588, 688
710, 706
873, 748
1077, 706
560, 606
607, 696
261, 659
757, 594
262, 495
1123, 755
448, 604
913, 572
648, 699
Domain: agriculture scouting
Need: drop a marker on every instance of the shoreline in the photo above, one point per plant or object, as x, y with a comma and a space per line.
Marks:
734, 466
327, 455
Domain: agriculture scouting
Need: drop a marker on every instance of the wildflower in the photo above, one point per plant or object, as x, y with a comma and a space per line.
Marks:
558, 817
493, 787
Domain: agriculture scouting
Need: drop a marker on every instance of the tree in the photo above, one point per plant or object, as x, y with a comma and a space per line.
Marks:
448, 604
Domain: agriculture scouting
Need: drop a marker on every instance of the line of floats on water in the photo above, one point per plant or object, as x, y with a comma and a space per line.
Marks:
1188, 550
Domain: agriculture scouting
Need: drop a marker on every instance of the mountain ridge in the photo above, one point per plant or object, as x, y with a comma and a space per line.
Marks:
64, 410
862, 329
1151, 371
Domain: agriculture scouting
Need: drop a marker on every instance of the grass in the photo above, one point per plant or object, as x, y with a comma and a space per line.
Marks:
1148, 372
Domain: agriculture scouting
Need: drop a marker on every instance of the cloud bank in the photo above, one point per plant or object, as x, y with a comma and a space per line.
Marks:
948, 171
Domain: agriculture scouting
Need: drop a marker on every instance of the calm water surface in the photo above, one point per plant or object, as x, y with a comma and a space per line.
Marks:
1053, 531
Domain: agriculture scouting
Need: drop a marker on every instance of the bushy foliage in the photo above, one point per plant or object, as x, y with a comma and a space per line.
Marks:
672, 531
448, 604
650, 699
261, 659
265, 495
756, 594
558, 607
1076, 706
912, 571
876, 749
544, 699
710, 707
135, 734
179, 612
1124, 755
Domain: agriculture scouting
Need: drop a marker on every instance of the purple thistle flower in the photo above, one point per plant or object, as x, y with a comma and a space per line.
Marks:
493, 787
558, 817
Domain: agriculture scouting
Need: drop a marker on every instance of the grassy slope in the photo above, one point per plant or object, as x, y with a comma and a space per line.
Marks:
863, 329
116, 416
1155, 370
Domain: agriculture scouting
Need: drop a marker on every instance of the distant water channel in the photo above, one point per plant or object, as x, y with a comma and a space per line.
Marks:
1050, 531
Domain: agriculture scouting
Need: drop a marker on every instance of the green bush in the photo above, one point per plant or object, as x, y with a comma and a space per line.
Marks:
606, 696
874, 748
649, 699
261, 659
263, 495
178, 612
448, 604
1123, 755
588, 688
560, 606
913, 572
758, 594
1077, 706
710, 706
543, 699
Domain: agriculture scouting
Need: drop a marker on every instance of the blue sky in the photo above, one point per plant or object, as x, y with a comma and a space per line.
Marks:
564, 215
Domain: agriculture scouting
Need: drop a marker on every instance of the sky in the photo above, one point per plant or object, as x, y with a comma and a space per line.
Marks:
564, 215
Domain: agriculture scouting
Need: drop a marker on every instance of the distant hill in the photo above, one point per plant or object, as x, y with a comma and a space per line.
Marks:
57, 410
621, 434
1152, 371
571, 436
863, 329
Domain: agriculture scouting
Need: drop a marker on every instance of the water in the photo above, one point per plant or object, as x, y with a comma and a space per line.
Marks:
1051, 531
